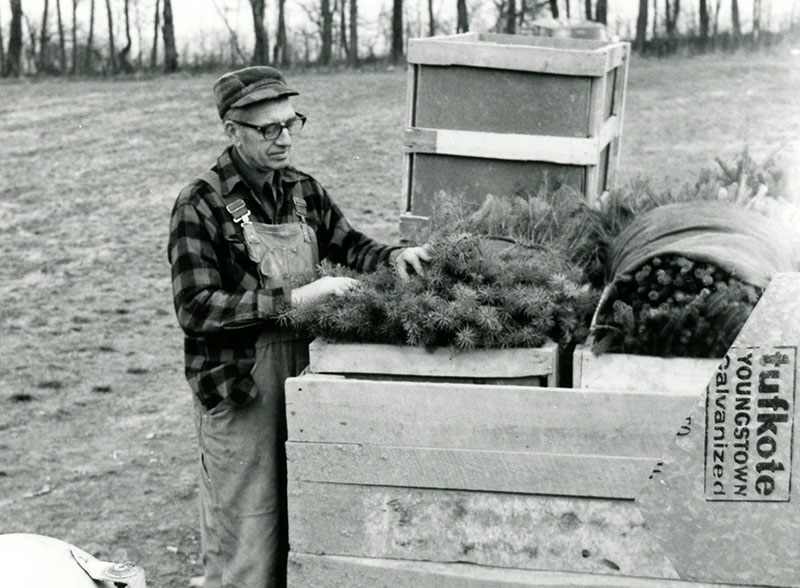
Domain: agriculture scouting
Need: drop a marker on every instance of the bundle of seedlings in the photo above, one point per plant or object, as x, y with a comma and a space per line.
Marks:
685, 277
683, 268
494, 281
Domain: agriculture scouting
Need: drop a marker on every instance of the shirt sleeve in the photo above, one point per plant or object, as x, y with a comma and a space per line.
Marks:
203, 303
343, 244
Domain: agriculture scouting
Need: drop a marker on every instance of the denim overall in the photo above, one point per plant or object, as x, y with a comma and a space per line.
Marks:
243, 491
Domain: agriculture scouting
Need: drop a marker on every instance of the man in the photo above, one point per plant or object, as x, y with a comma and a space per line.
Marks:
245, 241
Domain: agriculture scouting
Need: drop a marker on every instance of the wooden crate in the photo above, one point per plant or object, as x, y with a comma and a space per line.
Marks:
501, 114
530, 366
386, 474
621, 371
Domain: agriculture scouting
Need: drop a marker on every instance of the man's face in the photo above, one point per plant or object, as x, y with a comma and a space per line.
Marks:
260, 154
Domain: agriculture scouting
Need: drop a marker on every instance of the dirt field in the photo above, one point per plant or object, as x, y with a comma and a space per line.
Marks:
96, 436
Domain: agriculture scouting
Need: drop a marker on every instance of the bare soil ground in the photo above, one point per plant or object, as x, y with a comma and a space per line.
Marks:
96, 436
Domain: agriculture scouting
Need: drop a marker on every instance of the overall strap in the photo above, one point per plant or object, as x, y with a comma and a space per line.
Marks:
301, 210
300, 207
235, 206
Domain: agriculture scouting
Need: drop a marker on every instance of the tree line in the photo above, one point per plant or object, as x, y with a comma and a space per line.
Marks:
46, 52
58, 44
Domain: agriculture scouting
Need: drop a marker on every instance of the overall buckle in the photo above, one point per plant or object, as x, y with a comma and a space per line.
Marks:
239, 212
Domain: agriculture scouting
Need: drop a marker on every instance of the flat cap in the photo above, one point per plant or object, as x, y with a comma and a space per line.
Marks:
249, 86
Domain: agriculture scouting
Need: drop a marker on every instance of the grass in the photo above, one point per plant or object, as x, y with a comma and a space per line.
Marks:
90, 170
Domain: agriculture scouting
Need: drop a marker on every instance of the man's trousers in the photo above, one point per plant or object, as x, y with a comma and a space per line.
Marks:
244, 530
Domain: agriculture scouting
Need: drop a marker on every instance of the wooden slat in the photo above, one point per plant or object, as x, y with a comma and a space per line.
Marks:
597, 96
564, 43
408, 159
616, 54
578, 62
325, 571
659, 375
608, 131
413, 228
347, 358
508, 146
488, 529
462, 469
420, 140
497, 418
619, 111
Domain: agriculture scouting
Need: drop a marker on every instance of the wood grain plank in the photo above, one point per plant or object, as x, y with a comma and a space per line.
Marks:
489, 529
501, 418
345, 358
412, 83
608, 131
463, 469
414, 228
563, 43
575, 62
619, 110
327, 571
664, 375
507, 146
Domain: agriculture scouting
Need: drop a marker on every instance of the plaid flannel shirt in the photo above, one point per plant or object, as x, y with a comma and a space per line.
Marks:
218, 297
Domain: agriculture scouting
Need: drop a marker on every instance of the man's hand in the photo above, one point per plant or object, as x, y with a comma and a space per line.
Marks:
411, 256
322, 287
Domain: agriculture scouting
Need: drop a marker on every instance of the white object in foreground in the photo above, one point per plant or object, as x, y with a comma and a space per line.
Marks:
28, 560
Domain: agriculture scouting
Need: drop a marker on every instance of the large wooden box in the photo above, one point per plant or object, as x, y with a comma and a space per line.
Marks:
415, 481
502, 114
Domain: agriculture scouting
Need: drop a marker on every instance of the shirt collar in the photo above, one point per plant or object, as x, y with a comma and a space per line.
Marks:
229, 176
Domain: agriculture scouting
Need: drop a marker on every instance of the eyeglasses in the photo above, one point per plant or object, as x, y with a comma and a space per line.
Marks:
272, 131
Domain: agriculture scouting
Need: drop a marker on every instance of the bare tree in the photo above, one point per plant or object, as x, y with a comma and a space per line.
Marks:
168, 33
641, 26
511, 17
588, 8
156, 25
397, 31
90, 39
354, 33
601, 11
280, 53
233, 37
704, 22
735, 21
756, 20
123, 59
462, 19
74, 67
554, 8
62, 47
655, 20
44, 38
30, 54
343, 28
112, 52
2, 49
13, 62
139, 36
431, 20
326, 14
261, 50
673, 8
715, 28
